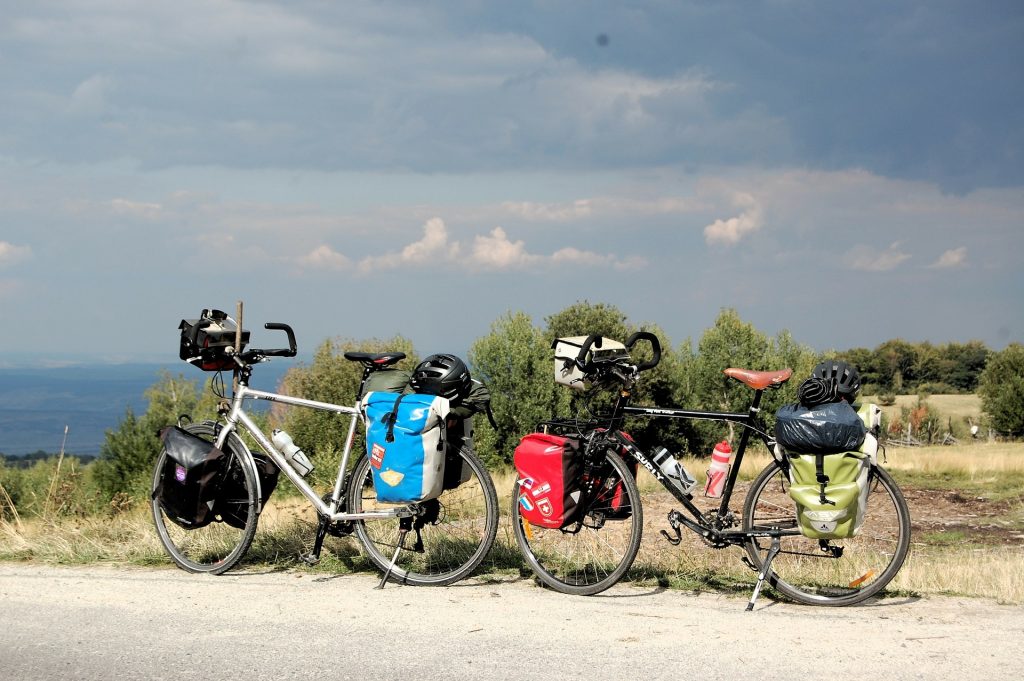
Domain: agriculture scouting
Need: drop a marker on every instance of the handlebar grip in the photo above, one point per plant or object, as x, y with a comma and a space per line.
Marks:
292, 350
655, 346
593, 339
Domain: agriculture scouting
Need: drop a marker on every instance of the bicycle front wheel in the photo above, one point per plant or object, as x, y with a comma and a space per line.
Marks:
837, 571
219, 546
593, 553
456, 530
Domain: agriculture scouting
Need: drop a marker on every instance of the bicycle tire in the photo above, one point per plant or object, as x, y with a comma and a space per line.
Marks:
802, 571
453, 546
594, 553
219, 546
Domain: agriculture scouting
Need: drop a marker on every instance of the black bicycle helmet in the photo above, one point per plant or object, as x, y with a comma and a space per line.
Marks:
845, 377
444, 375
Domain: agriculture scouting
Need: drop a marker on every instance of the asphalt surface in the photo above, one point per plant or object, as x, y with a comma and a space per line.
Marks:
106, 623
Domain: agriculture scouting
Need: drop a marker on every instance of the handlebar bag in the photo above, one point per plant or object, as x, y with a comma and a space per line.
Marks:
406, 442
190, 478
204, 340
549, 473
830, 491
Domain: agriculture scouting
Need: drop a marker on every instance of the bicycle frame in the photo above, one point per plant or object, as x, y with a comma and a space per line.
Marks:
709, 526
237, 415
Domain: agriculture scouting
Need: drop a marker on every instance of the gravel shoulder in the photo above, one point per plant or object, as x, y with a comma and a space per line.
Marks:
99, 623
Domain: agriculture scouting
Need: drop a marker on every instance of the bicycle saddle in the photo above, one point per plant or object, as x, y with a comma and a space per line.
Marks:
376, 359
759, 380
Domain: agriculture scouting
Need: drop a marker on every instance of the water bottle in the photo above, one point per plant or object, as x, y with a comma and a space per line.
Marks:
296, 457
719, 470
677, 476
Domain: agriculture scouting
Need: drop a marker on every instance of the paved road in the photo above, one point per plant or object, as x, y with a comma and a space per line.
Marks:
106, 623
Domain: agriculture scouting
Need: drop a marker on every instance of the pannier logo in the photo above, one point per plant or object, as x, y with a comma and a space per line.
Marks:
541, 489
553, 448
180, 472
376, 456
545, 507
525, 503
526, 483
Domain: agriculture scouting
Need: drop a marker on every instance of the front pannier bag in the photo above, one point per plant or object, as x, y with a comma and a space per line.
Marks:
232, 505
406, 442
192, 474
548, 469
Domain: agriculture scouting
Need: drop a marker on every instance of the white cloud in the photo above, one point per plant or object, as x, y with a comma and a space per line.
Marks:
11, 253
867, 259
90, 96
325, 257
433, 247
496, 251
136, 208
955, 257
730, 231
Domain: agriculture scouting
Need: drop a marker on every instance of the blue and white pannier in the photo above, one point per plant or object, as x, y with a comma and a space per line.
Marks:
406, 442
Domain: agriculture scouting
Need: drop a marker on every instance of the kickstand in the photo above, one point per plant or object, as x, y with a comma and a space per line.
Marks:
404, 526
772, 552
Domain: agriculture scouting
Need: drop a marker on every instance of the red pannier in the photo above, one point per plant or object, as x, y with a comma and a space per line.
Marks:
549, 470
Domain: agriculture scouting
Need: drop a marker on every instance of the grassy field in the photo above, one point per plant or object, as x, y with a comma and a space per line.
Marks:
966, 504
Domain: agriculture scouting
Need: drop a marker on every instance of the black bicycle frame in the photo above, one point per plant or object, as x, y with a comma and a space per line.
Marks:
748, 420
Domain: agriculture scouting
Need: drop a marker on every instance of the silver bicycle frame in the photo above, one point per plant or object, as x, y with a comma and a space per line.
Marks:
237, 416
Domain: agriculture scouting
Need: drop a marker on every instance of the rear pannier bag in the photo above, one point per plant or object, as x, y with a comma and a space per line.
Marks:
204, 340
824, 429
548, 467
406, 442
830, 491
191, 478
232, 502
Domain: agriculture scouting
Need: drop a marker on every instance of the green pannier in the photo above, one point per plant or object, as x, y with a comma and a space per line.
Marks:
832, 509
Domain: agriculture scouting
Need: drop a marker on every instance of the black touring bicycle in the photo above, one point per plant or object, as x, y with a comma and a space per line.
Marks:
597, 548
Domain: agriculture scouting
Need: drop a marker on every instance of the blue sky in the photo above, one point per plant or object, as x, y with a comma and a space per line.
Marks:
851, 172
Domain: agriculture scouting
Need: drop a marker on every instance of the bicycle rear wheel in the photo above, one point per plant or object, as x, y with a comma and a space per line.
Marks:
459, 530
219, 546
839, 571
593, 553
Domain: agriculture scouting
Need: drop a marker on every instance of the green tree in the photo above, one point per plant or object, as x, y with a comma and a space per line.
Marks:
516, 364
1001, 388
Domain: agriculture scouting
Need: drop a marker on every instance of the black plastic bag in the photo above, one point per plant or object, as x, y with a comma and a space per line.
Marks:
823, 429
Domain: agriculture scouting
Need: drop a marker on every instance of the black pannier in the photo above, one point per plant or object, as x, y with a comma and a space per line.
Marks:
204, 340
191, 478
232, 500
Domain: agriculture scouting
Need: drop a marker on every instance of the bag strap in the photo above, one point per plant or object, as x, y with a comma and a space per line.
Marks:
391, 418
819, 470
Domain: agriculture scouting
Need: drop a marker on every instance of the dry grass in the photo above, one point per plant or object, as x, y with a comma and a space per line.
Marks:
950, 406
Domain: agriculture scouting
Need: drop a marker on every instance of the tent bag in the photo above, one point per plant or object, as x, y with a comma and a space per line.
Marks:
833, 509
191, 477
824, 429
549, 472
406, 442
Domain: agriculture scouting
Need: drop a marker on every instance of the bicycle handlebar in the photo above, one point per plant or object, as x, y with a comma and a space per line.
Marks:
655, 346
291, 350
